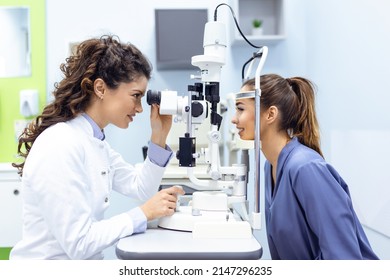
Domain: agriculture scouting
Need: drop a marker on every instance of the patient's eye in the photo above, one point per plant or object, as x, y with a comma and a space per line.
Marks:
240, 108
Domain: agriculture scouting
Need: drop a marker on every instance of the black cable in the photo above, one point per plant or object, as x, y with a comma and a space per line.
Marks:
255, 55
235, 21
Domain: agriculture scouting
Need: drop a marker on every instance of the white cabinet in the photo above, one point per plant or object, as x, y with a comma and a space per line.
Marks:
10, 206
270, 12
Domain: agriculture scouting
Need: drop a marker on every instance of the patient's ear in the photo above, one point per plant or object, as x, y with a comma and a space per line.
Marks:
271, 114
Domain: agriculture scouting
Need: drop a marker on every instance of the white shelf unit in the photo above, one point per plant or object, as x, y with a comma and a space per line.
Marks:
10, 205
271, 12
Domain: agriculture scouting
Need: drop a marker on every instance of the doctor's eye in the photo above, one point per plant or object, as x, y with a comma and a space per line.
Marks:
137, 96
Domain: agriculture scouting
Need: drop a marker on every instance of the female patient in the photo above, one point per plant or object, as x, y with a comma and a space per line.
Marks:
308, 209
70, 170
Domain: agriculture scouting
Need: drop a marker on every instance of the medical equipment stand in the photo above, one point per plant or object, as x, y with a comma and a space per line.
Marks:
157, 243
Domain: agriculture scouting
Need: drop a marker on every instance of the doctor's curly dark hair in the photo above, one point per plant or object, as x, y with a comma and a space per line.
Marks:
105, 58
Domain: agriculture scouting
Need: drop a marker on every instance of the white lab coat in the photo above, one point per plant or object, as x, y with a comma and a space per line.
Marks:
66, 185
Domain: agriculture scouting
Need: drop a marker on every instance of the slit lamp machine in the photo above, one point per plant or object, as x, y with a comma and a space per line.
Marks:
218, 208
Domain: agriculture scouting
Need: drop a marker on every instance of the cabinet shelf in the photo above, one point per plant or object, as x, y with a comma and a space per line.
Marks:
271, 12
264, 40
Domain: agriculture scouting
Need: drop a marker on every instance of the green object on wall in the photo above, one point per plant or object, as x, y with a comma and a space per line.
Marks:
10, 87
4, 253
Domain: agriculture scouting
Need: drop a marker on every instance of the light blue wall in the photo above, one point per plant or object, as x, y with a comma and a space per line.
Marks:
347, 47
326, 42
348, 58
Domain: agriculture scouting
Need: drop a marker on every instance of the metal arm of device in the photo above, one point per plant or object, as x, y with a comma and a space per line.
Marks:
255, 218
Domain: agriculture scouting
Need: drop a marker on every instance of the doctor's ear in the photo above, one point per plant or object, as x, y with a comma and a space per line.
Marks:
99, 87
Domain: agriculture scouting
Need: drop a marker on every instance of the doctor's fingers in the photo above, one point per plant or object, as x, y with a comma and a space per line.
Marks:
168, 198
158, 206
154, 111
164, 206
175, 190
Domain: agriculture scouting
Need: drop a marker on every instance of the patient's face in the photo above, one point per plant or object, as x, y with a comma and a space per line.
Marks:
244, 119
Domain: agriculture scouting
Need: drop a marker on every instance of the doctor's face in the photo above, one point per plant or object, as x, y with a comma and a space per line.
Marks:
123, 103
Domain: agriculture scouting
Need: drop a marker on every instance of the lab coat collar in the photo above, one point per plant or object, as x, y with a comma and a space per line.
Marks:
97, 132
82, 124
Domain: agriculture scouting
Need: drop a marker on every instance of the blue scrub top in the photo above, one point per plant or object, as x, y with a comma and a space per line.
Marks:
309, 214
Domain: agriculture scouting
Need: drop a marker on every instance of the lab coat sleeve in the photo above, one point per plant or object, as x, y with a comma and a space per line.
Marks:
64, 196
328, 209
140, 182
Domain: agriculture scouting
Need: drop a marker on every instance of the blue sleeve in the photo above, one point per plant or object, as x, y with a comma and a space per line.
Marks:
328, 208
139, 220
158, 155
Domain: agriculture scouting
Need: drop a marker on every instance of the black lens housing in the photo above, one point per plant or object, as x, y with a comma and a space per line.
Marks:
153, 97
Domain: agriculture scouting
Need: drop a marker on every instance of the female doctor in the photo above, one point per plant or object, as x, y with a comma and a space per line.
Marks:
70, 170
308, 209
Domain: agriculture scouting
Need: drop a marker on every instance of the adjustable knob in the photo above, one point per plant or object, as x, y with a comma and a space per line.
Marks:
197, 109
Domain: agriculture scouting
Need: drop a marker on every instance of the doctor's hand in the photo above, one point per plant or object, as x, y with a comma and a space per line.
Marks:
160, 124
162, 203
